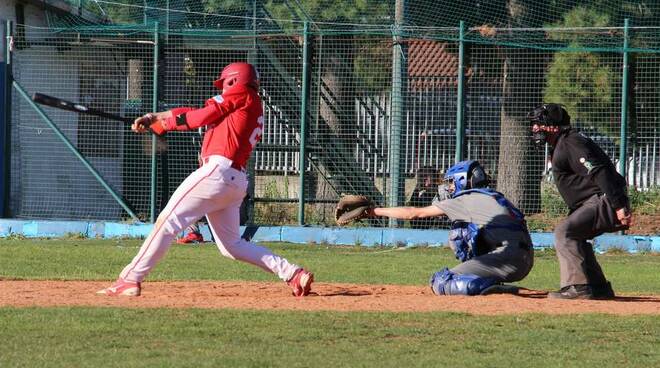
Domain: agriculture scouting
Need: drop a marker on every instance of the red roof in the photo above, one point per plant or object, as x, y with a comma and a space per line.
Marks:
432, 64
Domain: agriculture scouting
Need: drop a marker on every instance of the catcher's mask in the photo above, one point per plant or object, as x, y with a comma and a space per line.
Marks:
237, 74
550, 114
466, 175
443, 192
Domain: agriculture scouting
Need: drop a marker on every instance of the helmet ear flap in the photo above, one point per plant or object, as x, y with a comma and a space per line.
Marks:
479, 178
218, 83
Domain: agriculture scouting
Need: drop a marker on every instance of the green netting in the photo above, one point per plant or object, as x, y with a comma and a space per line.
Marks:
381, 110
47, 180
595, 24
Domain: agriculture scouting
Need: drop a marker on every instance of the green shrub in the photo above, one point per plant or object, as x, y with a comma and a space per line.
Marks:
645, 202
551, 201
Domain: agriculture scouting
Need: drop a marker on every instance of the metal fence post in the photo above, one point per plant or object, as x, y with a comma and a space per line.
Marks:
303, 123
623, 157
154, 139
252, 58
460, 101
397, 106
6, 142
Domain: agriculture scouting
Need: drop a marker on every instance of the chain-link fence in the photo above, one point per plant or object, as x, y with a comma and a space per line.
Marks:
385, 111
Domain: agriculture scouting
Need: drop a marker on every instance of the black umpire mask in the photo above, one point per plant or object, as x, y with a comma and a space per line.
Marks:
547, 114
539, 138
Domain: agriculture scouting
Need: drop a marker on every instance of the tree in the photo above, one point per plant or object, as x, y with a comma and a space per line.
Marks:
581, 80
518, 173
586, 86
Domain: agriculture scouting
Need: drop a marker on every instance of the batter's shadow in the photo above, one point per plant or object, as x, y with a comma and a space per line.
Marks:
347, 292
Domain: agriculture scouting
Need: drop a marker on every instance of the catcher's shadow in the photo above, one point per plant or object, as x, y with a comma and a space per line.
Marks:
531, 293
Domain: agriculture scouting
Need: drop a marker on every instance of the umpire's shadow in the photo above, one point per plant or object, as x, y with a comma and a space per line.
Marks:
542, 294
637, 299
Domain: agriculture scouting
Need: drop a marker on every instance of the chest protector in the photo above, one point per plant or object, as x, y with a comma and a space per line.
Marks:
464, 236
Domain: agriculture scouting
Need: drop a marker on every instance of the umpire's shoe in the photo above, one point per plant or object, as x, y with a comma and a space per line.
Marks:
601, 292
572, 292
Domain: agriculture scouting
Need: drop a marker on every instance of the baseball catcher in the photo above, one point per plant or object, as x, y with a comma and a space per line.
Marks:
488, 235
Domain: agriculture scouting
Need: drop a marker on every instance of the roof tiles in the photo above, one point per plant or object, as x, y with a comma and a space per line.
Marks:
431, 64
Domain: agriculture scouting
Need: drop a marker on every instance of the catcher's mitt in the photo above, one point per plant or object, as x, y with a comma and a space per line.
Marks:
353, 208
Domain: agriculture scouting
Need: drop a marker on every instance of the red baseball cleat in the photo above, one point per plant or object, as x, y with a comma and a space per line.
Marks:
301, 282
122, 287
191, 238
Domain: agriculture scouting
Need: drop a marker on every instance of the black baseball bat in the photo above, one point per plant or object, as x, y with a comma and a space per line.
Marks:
76, 107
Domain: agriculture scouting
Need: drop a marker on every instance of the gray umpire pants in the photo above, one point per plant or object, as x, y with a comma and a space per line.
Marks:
577, 261
507, 263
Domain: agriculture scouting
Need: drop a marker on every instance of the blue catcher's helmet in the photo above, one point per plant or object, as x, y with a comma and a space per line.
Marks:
467, 175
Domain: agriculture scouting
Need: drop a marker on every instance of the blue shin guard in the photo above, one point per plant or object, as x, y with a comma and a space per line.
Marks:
445, 282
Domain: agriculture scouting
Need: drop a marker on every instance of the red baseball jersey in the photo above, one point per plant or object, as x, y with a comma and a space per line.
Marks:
234, 123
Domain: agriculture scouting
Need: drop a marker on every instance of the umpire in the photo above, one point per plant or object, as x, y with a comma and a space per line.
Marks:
595, 194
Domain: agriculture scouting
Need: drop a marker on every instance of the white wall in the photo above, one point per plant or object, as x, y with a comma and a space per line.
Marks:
46, 178
7, 10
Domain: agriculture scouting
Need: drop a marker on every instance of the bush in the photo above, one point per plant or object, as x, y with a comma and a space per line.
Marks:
551, 201
645, 202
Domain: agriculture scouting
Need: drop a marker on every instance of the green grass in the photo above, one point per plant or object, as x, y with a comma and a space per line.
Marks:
110, 337
123, 337
80, 259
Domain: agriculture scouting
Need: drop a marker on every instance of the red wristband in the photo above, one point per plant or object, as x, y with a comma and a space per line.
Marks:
157, 128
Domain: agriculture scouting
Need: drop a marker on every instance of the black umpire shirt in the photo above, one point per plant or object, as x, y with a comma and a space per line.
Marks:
581, 169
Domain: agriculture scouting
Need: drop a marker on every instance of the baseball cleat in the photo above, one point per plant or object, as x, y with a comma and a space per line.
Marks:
122, 287
191, 238
301, 282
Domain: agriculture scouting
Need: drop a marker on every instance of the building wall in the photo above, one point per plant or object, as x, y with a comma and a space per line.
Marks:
44, 173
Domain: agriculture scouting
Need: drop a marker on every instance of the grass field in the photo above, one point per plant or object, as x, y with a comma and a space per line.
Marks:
116, 337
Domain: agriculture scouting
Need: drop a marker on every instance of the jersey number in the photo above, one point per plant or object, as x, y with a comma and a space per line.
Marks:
256, 133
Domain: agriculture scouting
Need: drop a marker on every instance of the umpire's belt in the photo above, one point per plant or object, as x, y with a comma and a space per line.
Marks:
225, 160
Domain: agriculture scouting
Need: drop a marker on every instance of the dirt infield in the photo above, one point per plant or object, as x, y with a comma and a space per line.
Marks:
325, 296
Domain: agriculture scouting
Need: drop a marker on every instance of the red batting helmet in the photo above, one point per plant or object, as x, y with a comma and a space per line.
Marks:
237, 74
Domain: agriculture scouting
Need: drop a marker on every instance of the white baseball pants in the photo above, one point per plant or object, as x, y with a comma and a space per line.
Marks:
217, 191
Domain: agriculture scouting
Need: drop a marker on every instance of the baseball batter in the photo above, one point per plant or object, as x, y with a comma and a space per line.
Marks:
234, 124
